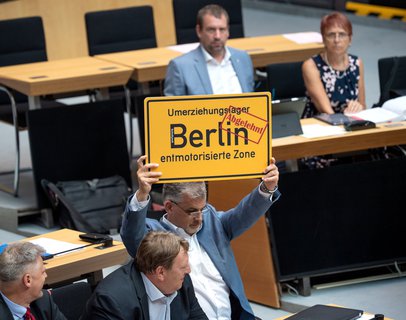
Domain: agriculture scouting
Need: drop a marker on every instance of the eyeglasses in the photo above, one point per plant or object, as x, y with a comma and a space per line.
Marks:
333, 35
194, 214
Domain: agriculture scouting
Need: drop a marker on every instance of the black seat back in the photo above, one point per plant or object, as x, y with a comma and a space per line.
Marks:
185, 12
118, 30
79, 142
22, 41
285, 80
71, 299
392, 77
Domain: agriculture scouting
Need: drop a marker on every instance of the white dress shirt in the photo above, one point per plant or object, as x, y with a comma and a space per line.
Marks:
222, 75
210, 289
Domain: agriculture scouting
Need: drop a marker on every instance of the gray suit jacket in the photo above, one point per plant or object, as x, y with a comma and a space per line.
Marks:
122, 296
215, 236
188, 75
43, 308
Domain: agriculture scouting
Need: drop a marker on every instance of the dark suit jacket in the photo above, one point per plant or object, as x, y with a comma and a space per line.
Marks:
122, 296
43, 308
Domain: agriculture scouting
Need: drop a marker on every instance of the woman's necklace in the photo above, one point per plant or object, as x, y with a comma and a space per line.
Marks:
333, 71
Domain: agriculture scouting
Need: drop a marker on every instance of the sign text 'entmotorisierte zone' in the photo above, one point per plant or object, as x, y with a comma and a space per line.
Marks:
213, 137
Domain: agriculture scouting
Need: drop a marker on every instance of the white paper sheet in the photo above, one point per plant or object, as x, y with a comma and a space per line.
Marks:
184, 48
304, 37
318, 130
377, 115
396, 105
55, 246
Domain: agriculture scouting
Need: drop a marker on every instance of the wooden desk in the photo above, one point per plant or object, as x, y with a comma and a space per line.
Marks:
265, 50
84, 263
61, 76
297, 146
252, 249
150, 64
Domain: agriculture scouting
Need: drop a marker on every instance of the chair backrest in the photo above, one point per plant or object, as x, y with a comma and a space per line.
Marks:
285, 80
118, 30
22, 41
185, 12
72, 298
78, 142
392, 76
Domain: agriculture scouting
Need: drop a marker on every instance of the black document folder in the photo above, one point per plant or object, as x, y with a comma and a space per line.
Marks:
323, 312
334, 119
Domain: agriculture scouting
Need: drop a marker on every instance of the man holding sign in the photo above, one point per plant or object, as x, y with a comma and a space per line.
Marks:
215, 276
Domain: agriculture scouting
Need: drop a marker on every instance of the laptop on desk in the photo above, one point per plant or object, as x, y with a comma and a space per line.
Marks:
289, 105
286, 116
286, 124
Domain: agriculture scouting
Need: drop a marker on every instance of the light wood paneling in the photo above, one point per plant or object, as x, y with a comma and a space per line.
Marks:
252, 249
64, 21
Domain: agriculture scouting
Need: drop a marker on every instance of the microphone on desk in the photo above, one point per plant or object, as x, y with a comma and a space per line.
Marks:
105, 242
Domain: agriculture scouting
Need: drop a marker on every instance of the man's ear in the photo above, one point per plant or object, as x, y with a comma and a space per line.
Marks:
198, 31
168, 205
27, 280
160, 273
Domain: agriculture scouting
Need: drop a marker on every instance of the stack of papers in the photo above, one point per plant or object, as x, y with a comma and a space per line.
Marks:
304, 37
377, 115
396, 105
318, 130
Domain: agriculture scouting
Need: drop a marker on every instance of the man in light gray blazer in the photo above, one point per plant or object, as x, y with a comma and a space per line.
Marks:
211, 68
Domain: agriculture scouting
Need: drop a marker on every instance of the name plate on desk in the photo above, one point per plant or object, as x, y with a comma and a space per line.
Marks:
210, 137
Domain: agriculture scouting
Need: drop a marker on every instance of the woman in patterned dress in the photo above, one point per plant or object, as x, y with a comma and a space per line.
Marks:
334, 79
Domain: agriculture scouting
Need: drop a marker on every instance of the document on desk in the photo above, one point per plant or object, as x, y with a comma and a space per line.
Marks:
53, 246
378, 115
318, 131
184, 48
304, 37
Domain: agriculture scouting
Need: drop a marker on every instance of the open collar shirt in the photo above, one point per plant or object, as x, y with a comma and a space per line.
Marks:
223, 77
159, 305
16, 310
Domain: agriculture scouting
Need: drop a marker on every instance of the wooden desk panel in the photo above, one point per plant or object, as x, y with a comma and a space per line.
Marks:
81, 262
151, 64
254, 263
265, 50
60, 76
296, 146
148, 64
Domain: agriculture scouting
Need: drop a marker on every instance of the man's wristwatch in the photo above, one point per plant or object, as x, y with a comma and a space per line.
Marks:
263, 188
